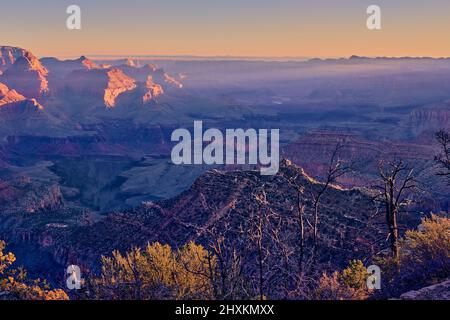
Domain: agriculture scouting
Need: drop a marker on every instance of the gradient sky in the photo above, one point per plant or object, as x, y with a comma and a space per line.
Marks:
296, 28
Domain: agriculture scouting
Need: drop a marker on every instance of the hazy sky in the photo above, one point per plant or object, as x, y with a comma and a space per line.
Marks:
298, 28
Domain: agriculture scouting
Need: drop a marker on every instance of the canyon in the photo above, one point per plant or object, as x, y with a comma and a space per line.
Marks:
85, 148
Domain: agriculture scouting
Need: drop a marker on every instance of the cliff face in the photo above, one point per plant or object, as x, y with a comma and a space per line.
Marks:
309, 150
27, 76
24, 195
118, 83
10, 55
433, 117
312, 152
9, 96
104, 84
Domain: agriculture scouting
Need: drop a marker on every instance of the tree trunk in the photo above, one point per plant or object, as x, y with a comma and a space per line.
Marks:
395, 245
301, 210
261, 280
392, 223
315, 229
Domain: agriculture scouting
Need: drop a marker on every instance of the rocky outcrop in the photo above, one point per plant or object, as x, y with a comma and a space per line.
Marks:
8, 96
118, 83
24, 195
27, 76
153, 91
104, 84
440, 291
10, 55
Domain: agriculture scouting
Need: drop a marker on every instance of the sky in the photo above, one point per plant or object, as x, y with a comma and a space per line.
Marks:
253, 28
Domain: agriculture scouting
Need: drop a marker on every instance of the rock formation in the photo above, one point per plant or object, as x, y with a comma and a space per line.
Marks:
9, 56
104, 84
9, 96
440, 291
154, 90
27, 76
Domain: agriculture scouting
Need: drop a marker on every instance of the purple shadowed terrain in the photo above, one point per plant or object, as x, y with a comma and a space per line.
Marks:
85, 149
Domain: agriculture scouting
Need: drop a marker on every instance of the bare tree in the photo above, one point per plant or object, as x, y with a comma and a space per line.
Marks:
259, 222
282, 252
336, 168
396, 179
228, 274
299, 216
443, 158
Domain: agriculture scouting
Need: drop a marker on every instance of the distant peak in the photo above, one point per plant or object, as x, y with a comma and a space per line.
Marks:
19, 57
131, 63
88, 63
355, 57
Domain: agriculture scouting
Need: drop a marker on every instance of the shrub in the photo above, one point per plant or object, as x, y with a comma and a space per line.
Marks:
157, 272
424, 258
349, 284
14, 283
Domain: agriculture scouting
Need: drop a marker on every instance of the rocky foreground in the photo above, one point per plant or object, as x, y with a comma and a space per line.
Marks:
440, 291
219, 203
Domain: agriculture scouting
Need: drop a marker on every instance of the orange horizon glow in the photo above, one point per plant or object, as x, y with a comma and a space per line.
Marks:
266, 29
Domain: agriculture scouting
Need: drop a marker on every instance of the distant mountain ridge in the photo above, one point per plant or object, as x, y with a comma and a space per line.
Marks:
356, 58
23, 72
